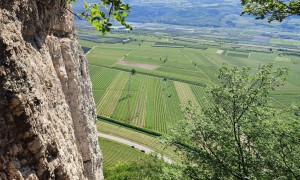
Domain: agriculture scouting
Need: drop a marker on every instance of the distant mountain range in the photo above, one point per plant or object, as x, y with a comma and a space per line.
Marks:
201, 13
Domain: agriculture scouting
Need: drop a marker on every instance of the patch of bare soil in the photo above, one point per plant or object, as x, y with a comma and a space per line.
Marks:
220, 51
138, 65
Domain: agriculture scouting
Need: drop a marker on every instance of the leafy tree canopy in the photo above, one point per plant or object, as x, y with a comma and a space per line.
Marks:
150, 168
271, 9
241, 136
99, 14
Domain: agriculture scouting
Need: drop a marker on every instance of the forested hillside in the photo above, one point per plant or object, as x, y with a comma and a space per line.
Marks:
204, 13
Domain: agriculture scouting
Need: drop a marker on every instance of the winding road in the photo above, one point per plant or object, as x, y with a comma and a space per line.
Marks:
135, 145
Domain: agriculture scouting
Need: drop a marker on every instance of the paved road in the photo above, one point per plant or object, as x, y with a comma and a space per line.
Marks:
133, 144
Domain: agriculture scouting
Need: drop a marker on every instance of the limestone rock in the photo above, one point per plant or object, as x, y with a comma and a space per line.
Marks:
47, 113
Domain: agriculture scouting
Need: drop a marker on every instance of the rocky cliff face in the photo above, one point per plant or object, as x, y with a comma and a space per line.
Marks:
47, 115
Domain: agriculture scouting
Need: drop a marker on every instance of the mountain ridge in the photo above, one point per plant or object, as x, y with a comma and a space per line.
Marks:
219, 13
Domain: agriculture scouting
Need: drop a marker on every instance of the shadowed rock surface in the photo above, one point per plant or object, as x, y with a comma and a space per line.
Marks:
47, 113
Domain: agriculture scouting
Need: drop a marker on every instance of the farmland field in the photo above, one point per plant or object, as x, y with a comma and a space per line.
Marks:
135, 136
111, 96
237, 54
285, 41
114, 152
152, 98
140, 100
185, 93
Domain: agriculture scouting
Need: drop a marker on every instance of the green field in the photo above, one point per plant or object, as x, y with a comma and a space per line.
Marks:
173, 63
140, 100
114, 152
151, 142
237, 54
152, 98
285, 42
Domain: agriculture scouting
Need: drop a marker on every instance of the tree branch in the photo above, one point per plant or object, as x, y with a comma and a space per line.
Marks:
73, 13
283, 157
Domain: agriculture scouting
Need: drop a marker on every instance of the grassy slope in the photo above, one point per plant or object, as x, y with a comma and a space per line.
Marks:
114, 152
141, 138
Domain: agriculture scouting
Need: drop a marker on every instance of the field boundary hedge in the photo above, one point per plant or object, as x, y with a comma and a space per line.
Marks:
139, 129
142, 130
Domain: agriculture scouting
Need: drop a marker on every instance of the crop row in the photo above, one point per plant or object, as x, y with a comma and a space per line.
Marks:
97, 94
156, 109
101, 77
201, 96
111, 97
131, 107
114, 152
140, 111
173, 104
185, 93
